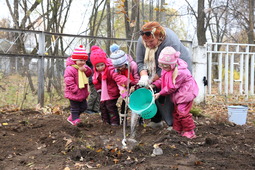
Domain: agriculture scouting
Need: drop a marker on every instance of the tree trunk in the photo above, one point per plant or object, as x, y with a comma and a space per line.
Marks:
109, 27
162, 12
151, 10
127, 22
251, 23
201, 30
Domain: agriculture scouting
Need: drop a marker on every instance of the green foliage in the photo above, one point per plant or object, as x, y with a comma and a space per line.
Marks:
196, 112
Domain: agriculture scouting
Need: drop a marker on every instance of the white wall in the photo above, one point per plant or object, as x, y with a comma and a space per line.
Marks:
199, 70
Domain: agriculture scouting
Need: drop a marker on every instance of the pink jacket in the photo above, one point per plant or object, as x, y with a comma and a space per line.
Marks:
123, 80
185, 88
112, 87
72, 90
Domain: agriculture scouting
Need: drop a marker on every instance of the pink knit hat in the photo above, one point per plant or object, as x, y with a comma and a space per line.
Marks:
97, 55
168, 55
79, 54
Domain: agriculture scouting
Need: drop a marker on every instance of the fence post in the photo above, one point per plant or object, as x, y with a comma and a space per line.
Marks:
41, 52
199, 70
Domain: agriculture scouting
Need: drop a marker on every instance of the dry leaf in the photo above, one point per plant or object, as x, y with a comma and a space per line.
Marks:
172, 146
56, 110
68, 141
79, 165
99, 150
115, 161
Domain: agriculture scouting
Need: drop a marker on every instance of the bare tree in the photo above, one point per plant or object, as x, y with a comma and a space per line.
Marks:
95, 20
200, 18
242, 13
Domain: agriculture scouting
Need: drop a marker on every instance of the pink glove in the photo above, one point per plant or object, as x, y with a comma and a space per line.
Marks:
123, 93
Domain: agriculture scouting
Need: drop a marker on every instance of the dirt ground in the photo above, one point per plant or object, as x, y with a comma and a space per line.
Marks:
32, 140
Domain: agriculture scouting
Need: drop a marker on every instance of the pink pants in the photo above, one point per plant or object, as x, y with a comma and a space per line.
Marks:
182, 117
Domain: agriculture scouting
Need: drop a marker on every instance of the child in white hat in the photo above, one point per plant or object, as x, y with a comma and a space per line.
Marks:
177, 81
121, 61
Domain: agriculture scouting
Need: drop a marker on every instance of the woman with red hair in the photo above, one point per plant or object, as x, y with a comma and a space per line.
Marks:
153, 39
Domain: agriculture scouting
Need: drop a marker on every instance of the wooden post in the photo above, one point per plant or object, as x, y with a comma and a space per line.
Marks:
41, 52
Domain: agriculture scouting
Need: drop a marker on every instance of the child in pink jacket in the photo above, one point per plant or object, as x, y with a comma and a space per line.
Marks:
76, 83
177, 81
121, 61
105, 84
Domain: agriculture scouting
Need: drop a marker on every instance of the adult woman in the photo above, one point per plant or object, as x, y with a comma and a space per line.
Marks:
153, 39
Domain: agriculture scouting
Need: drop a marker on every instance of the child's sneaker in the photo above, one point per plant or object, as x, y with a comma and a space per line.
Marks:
155, 125
189, 134
73, 122
141, 121
114, 124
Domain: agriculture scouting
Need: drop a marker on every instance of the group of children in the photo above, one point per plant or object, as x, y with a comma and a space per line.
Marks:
114, 76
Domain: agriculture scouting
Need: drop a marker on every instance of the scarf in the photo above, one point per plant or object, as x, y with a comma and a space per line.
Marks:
96, 74
169, 78
175, 74
149, 61
104, 91
125, 73
82, 78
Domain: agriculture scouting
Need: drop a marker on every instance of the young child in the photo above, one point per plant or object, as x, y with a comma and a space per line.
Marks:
121, 61
106, 85
76, 83
177, 81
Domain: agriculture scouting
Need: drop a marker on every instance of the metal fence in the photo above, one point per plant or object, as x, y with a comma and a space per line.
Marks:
32, 64
230, 69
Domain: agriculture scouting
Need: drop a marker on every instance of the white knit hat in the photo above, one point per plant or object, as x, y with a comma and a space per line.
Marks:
118, 57
168, 55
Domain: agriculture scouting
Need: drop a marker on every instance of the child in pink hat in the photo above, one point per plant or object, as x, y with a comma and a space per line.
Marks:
106, 85
177, 81
76, 83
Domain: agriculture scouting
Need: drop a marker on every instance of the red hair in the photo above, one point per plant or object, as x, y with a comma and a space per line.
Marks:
157, 30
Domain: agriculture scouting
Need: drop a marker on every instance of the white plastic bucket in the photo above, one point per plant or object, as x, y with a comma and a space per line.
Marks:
237, 114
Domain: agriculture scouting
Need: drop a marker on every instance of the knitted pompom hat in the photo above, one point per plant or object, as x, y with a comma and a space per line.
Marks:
168, 55
97, 55
79, 54
118, 57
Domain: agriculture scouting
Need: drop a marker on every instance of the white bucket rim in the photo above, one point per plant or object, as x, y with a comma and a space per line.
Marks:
238, 107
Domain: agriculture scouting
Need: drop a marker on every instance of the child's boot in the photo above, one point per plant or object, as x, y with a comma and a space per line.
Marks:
73, 122
189, 134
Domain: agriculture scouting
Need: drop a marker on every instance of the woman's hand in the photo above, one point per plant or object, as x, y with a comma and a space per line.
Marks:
156, 96
144, 81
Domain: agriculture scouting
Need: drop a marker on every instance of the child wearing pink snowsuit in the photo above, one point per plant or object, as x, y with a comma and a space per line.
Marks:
105, 84
76, 83
177, 81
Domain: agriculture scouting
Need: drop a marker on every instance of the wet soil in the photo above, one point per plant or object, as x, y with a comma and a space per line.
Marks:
32, 140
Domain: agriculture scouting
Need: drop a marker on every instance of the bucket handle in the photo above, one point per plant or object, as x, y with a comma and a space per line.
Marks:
152, 91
